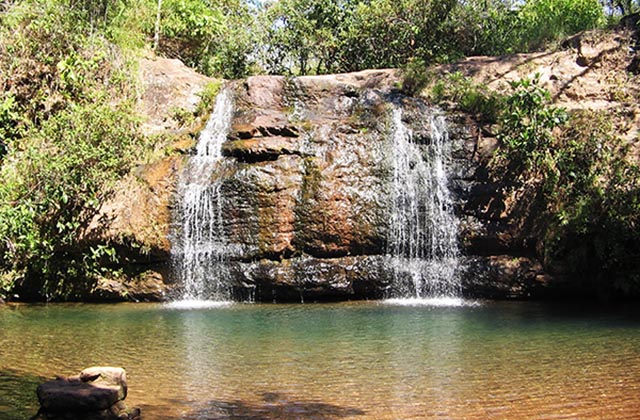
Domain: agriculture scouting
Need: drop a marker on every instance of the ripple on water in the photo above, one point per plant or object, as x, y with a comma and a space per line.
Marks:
434, 301
189, 304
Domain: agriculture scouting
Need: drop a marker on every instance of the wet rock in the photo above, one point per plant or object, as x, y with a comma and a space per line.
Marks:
503, 277
148, 286
311, 168
260, 149
96, 393
313, 279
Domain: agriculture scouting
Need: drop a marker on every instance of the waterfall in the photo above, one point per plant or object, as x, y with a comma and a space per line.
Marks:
201, 249
423, 233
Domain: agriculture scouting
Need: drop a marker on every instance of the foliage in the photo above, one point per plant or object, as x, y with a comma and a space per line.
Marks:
323, 36
589, 186
594, 196
70, 134
486, 27
622, 7
48, 204
542, 21
211, 36
303, 36
415, 77
469, 97
208, 97
526, 125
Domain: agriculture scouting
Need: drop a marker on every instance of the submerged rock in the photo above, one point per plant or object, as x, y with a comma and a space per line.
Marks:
97, 393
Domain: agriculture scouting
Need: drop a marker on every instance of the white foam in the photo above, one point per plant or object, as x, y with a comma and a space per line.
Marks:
434, 301
187, 304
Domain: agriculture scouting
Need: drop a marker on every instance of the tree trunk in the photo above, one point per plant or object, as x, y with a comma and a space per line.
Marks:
156, 35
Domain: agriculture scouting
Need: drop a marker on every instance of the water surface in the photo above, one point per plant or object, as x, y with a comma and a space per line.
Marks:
353, 360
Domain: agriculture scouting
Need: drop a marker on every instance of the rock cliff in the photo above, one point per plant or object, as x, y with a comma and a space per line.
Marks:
307, 188
307, 196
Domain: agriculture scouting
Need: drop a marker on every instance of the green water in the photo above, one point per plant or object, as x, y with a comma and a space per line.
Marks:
358, 360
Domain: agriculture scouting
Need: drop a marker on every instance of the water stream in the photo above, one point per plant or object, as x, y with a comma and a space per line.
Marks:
423, 235
201, 248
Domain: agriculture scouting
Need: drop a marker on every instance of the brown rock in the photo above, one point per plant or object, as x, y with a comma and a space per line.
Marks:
266, 91
139, 213
261, 148
503, 277
95, 389
75, 395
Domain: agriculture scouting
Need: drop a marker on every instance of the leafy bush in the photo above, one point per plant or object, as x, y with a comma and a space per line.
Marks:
594, 198
70, 133
49, 202
214, 37
526, 125
468, 96
415, 77
541, 21
589, 187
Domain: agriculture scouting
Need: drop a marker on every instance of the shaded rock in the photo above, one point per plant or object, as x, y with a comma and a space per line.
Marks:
313, 279
75, 395
94, 389
260, 149
148, 286
503, 277
97, 393
137, 218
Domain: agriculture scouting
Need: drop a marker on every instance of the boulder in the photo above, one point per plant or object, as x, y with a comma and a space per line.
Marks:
109, 377
72, 394
96, 393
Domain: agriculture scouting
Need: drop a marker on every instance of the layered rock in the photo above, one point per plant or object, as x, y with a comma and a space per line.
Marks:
307, 184
307, 191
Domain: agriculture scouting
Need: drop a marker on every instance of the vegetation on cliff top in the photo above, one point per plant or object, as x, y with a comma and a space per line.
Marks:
582, 179
68, 128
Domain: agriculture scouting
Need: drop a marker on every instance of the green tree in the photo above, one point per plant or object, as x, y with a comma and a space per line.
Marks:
541, 21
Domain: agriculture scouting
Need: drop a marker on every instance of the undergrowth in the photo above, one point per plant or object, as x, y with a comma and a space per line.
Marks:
69, 131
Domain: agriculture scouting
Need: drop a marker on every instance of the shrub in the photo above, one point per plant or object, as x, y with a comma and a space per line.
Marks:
526, 125
68, 132
541, 21
468, 96
594, 199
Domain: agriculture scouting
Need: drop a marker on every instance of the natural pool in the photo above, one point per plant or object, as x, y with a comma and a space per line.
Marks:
502, 360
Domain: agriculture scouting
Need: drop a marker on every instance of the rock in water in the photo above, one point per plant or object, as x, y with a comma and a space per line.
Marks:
96, 393
109, 377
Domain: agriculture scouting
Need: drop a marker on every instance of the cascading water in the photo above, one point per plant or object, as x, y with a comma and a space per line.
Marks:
423, 235
200, 248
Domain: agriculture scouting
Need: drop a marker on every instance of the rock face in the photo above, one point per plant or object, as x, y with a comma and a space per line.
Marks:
137, 218
97, 393
305, 194
307, 185
307, 191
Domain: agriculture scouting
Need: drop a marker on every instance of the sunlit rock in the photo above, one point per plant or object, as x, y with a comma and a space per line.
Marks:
96, 393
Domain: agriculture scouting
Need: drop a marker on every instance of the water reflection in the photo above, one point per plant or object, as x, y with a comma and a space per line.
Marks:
365, 360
